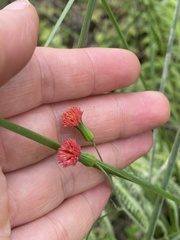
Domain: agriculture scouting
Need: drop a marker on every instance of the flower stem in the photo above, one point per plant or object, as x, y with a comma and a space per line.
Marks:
86, 23
88, 161
108, 178
97, 150
58, 23
123, 174
120, 34
114, 22
29, 134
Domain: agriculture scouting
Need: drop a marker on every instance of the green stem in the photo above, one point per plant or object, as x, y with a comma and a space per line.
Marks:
108, 178
84, 159
97, 150
58, 23
120, 34
167, 176
152, 155
114, 22
169, 48
165, 70
88, 159
29, 134
151, 43
86, 23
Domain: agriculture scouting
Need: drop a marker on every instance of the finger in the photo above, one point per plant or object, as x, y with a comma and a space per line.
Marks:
71, 220
5, 229
56, 75
40, 188
124, 115
18, 31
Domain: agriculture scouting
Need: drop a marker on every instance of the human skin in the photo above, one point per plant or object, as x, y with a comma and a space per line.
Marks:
40, 199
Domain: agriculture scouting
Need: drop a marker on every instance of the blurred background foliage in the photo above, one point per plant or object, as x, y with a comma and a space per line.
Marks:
146, 26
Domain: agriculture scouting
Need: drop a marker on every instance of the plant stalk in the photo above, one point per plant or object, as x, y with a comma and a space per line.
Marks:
115, 23
58, 23
167, 176
86, 23
92, 162
88, 159
165, 72
29, 134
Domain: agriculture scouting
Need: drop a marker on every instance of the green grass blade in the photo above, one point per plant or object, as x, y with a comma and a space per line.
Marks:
165, 73
167, 176
86, 23
115, 23
120, 34
58, 23
169, 48
151, 44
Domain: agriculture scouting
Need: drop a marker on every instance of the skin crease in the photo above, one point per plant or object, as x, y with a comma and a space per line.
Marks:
39, 198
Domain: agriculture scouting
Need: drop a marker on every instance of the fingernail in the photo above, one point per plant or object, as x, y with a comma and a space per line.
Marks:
17, 5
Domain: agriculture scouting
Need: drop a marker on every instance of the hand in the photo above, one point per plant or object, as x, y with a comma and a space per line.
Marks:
38, 198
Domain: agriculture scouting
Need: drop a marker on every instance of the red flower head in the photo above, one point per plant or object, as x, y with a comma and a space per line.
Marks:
72, 117
69, 153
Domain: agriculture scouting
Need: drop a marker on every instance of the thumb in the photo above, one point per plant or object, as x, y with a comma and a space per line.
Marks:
4, 217
18, 37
